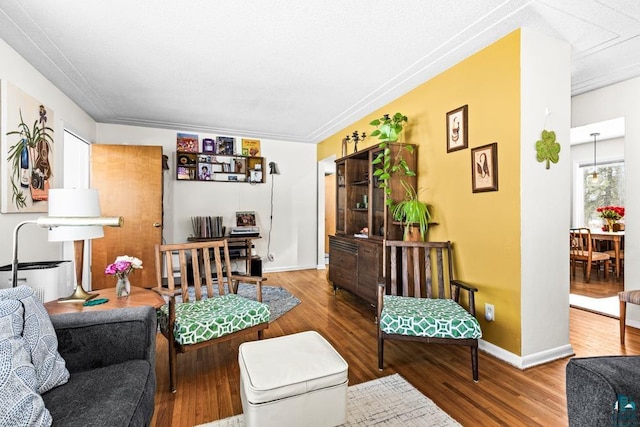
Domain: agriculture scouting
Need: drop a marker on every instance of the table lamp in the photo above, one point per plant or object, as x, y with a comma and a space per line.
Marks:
74, 215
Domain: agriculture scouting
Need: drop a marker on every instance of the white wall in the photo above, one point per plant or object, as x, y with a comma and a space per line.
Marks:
545, 194
293, 236
621, 100
15, 70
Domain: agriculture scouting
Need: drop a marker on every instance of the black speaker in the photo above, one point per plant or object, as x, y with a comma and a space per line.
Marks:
256, 266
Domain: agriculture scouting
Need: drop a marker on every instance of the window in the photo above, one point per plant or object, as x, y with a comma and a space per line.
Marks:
608, 190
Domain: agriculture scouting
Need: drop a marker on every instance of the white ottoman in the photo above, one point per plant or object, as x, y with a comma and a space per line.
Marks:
294, 380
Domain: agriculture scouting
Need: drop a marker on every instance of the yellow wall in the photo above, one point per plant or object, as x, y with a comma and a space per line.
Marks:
484, 227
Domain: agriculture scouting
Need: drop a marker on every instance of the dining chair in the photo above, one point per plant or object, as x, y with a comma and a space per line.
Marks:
196, 315
582, 250
632, 297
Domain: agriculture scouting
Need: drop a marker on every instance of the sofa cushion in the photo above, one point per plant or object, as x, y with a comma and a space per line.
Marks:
20, 405
211, 318
421, 317
41, 338
107, 396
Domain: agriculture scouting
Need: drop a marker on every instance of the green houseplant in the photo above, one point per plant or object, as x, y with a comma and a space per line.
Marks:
412, 212
388, 130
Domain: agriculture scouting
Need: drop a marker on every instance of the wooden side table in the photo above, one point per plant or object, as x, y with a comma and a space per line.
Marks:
138, 297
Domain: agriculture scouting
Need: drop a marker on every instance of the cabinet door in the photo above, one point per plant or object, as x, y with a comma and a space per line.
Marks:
369, 269
341, 199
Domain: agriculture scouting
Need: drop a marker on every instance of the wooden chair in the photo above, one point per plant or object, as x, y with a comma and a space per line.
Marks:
582, 250
411, 308
202, 318
632, 297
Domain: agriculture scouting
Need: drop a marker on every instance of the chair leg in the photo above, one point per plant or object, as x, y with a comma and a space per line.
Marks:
607, 265
380, 351
173, 356
587, 266
474, 362
623, 320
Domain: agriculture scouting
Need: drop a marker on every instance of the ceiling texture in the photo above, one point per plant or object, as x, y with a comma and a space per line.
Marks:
290, 70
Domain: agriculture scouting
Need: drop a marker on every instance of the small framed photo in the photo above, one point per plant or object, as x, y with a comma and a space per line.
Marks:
208, 145
484, 168
457, 126
246, 219
225, 146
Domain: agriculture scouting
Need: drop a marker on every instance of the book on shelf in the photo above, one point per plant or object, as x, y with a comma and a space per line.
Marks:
207, 226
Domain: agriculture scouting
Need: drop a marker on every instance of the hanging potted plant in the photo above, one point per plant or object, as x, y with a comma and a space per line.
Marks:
413, 214
388, 130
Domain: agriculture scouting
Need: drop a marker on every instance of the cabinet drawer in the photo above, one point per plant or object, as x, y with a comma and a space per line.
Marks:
343, 278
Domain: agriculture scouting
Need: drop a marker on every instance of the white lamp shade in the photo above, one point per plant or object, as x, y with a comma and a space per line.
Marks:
74, 203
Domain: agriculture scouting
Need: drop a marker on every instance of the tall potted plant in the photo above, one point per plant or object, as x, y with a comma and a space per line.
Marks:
412, 213
388, 130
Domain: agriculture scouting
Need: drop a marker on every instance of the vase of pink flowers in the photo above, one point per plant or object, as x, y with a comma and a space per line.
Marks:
121, 268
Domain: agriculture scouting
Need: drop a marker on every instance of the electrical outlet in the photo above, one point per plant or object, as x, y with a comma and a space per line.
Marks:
489, 312
271, 257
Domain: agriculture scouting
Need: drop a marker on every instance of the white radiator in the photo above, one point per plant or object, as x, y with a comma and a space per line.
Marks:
49, 279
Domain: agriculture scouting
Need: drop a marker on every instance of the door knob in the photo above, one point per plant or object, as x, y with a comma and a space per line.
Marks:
157, 224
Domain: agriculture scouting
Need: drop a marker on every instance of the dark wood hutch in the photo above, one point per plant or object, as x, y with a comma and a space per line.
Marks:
363, 220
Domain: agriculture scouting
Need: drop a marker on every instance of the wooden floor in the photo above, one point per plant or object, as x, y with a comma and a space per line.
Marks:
208, 379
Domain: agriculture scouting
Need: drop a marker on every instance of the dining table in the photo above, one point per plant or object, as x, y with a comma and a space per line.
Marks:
617, 237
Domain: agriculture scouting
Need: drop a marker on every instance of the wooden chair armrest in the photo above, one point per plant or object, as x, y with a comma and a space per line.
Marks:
464, 286
166, 292
248, 279
472, 291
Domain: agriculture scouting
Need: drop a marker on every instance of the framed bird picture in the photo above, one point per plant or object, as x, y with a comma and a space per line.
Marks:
484, 168
457, 129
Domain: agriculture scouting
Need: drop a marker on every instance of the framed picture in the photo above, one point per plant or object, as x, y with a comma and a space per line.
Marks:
225, 146
457, 129
250, 147
27, 145
208, 145
484, 168
246, 219
187, 143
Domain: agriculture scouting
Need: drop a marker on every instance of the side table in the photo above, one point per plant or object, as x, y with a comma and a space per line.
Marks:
138, 297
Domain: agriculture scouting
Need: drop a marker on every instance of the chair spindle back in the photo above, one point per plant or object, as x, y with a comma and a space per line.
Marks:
199, 254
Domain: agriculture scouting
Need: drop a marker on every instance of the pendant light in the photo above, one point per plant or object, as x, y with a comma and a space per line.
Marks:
594, 177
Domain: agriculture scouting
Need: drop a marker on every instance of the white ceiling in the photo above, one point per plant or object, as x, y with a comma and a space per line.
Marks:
289, 69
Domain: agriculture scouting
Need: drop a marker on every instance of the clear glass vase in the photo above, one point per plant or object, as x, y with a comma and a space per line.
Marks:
123, 287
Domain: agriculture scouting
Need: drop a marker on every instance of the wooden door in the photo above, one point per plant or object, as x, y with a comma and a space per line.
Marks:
129, 179
329, 209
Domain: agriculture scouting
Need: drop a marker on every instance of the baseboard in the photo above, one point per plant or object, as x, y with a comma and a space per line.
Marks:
289, 268
527, 361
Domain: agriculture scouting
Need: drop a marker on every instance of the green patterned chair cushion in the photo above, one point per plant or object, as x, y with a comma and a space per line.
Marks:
420, 317
211, 318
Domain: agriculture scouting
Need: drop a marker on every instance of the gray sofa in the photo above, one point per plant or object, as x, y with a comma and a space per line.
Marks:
603, 391
111, 358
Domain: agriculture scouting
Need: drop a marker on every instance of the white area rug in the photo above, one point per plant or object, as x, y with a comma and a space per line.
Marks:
387, 401
609, 306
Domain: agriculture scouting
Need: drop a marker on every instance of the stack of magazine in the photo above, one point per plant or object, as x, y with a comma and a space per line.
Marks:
207, 226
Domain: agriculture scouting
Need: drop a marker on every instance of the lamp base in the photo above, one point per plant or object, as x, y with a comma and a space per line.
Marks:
79, 295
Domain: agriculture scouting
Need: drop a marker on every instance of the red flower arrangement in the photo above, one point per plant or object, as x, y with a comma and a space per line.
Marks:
611, 212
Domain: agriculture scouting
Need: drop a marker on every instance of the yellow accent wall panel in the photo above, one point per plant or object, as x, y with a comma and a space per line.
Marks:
484, 227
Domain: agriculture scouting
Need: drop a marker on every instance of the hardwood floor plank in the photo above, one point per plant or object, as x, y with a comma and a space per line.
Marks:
208, 380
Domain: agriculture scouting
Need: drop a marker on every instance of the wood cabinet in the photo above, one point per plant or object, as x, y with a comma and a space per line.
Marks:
221, 168
360, 207
363, 220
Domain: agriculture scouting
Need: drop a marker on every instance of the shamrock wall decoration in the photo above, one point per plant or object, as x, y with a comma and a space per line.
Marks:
547, 148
